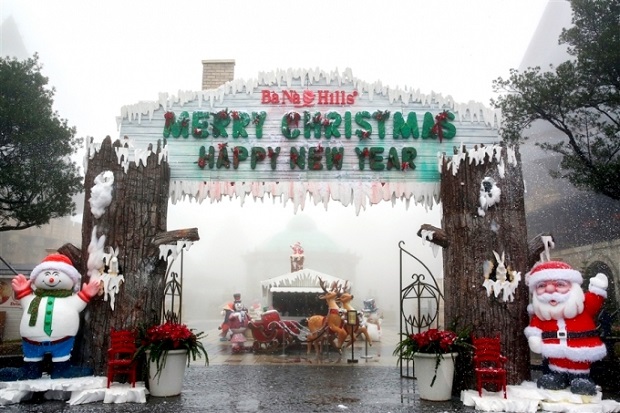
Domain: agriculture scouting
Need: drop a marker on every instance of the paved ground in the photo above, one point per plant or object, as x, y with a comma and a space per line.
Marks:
294, 382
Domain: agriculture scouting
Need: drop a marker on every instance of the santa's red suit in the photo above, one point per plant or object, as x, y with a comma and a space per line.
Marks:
571, 345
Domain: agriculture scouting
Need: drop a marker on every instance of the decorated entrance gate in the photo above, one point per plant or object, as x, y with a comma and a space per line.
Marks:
292, 133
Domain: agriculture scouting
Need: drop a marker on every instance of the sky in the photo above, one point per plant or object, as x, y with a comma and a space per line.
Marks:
102, 55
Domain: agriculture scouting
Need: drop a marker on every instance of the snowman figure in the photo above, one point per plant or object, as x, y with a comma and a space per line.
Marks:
52, 302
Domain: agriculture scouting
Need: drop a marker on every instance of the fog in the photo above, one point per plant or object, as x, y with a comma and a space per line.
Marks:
215, 267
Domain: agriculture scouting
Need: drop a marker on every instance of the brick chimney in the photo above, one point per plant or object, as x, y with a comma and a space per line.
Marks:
217, 72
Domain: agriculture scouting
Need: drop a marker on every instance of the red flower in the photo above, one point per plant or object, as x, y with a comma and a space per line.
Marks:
159, 339
432, 341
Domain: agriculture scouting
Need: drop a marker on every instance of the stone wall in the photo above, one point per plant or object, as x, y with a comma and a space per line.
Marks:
583, 257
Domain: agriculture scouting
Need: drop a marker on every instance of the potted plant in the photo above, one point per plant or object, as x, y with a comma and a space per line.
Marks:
433, 350
169, 348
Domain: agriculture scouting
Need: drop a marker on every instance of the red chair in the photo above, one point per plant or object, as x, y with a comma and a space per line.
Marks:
120, 355
489, 363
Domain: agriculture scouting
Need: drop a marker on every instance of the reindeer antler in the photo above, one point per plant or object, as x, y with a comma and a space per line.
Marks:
322, 284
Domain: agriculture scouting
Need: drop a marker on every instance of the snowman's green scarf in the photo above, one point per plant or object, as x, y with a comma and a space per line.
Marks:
33, 309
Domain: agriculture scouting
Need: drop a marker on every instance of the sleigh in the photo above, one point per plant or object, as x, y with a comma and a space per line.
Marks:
271, 332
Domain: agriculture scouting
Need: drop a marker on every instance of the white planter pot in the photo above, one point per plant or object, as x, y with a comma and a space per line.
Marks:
424, 371
170, 381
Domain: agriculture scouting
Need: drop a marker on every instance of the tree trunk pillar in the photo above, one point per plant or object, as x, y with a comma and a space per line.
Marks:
473, 238
135, 216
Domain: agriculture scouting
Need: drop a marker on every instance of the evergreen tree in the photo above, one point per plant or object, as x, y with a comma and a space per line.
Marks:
37, 176
580, 98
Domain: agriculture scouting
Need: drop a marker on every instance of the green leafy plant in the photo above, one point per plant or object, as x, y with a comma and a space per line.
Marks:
157, 340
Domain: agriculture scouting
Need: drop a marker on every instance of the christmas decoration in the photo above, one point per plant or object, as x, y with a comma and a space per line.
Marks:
499, 279
563, 325
441, 122
489, 195
52, 302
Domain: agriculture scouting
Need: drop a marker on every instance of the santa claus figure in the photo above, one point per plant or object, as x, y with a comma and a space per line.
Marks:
563, 325
52, 301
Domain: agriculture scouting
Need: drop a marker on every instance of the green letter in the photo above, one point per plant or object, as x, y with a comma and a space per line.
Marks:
333, 157
406, 129
298, 158
376, 160
360, 119
200, 124
240, 121
258, 119
257, 154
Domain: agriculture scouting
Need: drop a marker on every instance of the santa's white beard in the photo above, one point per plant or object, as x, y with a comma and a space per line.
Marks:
567, 305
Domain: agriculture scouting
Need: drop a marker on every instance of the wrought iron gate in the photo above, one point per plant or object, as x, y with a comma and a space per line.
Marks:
173, 294
420, 300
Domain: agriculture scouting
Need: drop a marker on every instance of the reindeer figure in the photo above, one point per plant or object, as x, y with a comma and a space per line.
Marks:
345, 299
331, 323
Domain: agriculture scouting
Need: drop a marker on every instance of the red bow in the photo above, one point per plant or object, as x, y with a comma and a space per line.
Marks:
169, 116
437, 130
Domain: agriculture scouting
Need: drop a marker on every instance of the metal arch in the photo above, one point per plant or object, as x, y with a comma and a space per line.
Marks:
424, 287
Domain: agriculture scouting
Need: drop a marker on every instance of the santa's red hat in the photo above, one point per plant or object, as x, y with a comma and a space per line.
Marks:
58, 262
550, 271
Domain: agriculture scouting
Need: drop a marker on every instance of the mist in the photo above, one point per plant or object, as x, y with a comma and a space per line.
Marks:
217, 266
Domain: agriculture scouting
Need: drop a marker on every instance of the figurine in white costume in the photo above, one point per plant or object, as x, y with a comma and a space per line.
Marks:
52, 302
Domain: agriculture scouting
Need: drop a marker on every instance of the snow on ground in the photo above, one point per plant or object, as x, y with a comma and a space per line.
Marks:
76, 391
527, 398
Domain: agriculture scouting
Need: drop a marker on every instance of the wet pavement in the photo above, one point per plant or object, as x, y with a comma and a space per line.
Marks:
290, 381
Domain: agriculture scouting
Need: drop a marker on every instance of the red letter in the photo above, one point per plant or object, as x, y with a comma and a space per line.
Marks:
265, 97
323, 95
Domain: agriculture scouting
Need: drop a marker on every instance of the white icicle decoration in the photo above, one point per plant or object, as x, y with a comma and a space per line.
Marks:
111, 279
96, 255
548, 243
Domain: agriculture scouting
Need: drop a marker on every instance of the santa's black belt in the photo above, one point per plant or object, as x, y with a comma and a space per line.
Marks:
46, 343
570, 334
